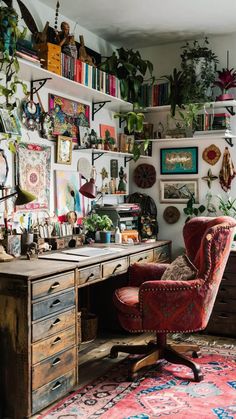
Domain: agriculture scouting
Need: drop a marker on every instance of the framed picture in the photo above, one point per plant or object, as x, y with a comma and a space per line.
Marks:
10, 122
64, 150
84, 139
178, 190
68, 197
179, 160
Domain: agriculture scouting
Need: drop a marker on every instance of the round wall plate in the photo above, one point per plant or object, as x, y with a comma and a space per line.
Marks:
171, 214
84, 167
145, 175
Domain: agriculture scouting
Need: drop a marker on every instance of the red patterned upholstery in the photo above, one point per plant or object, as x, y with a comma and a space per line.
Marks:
152, 304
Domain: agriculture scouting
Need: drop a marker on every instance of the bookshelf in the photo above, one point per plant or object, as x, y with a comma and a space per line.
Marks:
97, 153
30, 71
210, 105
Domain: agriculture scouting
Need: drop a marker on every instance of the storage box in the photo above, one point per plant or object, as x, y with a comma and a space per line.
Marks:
50, 56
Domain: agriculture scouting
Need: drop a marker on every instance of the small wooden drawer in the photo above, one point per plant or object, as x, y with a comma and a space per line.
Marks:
51, 305
53, 284
142, 257
89, 274
229, 278
226, 292
56, 343
114, 267
222, 323
52, 391
162, 254
53, 367
53, 324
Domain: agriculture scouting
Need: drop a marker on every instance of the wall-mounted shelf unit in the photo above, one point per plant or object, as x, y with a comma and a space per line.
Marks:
29, 72
96, 154
228, 104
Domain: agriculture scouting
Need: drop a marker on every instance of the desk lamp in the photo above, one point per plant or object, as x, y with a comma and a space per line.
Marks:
89, 189
23, 197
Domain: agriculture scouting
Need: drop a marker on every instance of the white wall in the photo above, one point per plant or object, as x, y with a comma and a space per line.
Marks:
165, 58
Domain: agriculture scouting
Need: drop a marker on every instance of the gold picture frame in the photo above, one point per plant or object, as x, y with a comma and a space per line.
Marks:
64, 150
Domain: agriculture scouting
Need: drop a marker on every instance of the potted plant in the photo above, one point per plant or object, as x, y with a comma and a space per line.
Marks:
130, 68
226, 80
90, 224
104, 225
176, 95
109, 141
9, 35
199, 67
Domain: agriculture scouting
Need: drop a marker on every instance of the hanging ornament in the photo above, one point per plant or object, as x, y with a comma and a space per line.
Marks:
211, 154
227, 171
209, 178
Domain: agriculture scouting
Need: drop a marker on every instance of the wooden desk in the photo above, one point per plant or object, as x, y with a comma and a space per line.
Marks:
38, 323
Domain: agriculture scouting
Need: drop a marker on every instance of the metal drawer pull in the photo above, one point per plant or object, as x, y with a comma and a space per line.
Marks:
56, 362
142, 258
117, 267
55, 285
90, 276
223, 316
55, 303
58, 384
57, 340
56, 322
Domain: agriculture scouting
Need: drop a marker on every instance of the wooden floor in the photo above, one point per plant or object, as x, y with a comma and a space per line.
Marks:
94, 356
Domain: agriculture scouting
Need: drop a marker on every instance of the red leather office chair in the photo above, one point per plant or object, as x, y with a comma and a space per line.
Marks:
149, 303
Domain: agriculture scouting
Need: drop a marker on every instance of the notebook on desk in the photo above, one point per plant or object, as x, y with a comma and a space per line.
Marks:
63, 257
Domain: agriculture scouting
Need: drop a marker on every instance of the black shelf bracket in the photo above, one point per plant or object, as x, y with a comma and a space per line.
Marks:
40, 82
230, 109
229, 141
121, 120
97, 106
98, 155
127, 159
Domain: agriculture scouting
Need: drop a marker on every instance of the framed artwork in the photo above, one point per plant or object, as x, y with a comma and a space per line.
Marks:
114, 168
64, 150
179, 160
178, 190
10, 122
68, 115
3, 168
68, 197
110, 128
33, 172
84, 138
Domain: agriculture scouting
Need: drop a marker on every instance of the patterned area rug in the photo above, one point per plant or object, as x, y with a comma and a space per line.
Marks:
164, 391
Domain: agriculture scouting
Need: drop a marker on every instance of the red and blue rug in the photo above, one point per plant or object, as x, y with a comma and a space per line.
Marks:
165, 391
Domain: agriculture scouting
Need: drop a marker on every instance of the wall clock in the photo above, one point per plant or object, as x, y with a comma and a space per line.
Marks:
145, 175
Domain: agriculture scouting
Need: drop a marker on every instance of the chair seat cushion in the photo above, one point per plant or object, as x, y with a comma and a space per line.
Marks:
126, 300
181, 269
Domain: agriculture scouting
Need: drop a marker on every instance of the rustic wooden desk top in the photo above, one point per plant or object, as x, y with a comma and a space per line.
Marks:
35, 268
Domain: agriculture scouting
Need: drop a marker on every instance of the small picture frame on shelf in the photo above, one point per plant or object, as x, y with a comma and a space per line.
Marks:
179, 160
178, 190
10, 123
84, 137
64, 150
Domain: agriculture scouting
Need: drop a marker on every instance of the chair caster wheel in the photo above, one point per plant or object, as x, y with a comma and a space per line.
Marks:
113, 355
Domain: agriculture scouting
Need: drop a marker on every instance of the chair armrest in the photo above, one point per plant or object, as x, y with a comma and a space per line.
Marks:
142, 272
173, 306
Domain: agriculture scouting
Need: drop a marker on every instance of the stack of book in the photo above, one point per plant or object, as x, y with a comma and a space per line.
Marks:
154, 95
28, 53
212, 122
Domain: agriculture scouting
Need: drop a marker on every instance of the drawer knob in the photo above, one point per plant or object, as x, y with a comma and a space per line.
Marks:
56, 362
142, 258
117, 267
58, 384
56, 303
90, 277
55, 285
56, 322
223, 316
57, 340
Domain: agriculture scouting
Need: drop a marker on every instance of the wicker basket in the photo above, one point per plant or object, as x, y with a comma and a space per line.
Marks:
89, 326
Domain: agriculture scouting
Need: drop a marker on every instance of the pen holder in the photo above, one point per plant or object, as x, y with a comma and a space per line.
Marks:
26, 239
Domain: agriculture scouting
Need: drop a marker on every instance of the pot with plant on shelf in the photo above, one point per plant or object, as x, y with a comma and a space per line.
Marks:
226, 81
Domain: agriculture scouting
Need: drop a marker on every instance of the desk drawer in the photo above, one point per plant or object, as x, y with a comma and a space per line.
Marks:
89, 274
56, 343
53, 304
52, 391
54, 324
162, 254
226, 292
222, 324
53, 367
229, 278
114, 267
53, 284
142, 257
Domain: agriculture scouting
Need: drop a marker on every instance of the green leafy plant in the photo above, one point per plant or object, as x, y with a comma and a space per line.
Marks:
104, 223
131, 69
199, 67
191, 210
95, 222
110, 141
188, 117
228, 206
176, 96
9, 35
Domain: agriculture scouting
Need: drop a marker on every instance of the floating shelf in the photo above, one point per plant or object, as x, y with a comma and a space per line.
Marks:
29, 71
208, 105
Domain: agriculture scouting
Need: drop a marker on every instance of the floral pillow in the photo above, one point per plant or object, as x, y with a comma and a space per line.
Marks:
181, 269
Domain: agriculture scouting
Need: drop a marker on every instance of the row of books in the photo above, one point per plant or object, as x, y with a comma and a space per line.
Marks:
154, 95
210, 122
90, 76
27, 53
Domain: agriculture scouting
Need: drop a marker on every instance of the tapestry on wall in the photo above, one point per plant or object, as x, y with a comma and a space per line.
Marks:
33, 171
68, 115
68, 197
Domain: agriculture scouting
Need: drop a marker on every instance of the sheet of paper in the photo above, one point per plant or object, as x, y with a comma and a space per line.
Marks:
63, 257
92, 251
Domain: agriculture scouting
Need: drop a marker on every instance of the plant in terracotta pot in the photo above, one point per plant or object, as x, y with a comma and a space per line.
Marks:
226, 80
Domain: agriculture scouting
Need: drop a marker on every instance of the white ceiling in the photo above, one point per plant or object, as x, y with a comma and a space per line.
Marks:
136, 23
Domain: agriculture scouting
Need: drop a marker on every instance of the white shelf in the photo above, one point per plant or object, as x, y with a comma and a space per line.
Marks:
108, 152
29, 71
214, 105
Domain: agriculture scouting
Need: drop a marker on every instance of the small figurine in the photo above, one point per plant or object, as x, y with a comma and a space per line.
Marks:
83, 55
121, 185
67, 41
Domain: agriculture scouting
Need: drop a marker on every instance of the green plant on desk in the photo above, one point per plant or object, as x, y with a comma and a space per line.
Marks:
94, 223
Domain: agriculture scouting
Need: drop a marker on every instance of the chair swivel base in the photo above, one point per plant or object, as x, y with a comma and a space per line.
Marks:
153, 352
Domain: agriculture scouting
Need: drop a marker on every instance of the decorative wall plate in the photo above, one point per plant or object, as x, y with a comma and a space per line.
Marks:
145, 175
171, 214
211, 154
